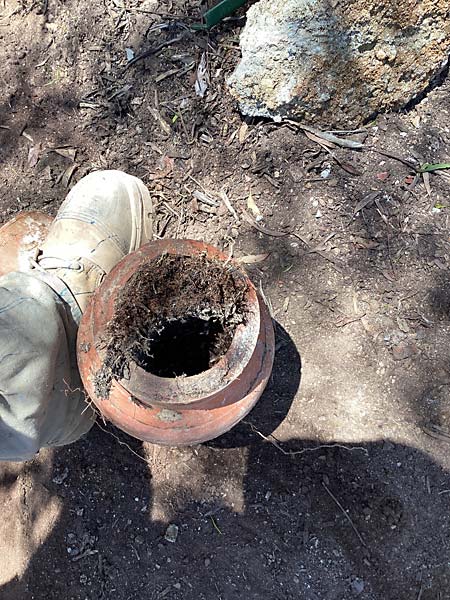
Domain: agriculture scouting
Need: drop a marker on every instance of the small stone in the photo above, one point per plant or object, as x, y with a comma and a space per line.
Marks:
207, 562
177, 586
403, 350
139, 539
61, 477
357, 586
171, 534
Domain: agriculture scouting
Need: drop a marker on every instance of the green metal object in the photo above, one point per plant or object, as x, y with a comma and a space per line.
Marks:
217, 13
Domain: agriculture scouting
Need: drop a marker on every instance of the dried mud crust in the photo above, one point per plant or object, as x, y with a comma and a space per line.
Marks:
176, 316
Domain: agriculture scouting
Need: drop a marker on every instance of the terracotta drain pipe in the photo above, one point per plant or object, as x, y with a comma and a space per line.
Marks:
180, 410
20, 238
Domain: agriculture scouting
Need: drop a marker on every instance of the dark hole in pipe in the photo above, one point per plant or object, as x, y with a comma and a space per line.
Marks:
185, 346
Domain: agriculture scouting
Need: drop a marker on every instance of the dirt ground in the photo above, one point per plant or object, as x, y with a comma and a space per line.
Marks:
351, 497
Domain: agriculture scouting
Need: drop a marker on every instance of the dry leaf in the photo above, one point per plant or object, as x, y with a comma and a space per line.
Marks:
243, 129
228, 204
426, 182
163, 124
46, 174
252, 259
365, 242
232, 136
33, 155
247, 217
166, 169
416, 121
365, 202
403, 325
330, 138
67, 175
202, 197
201, 82
27, 137
251, 205
165, 75
319, 140
346, 165
69, 153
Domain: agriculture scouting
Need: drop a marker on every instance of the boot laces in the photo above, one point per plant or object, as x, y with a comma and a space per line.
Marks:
53, 262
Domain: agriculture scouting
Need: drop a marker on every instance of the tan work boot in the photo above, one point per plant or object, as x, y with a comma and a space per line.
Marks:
107, 215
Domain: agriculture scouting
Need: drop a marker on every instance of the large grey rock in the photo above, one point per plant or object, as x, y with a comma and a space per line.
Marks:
339, 61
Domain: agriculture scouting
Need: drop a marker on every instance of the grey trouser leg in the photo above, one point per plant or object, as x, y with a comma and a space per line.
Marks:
41, 398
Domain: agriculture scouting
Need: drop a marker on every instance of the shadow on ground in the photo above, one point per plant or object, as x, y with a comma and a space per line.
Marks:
316, 523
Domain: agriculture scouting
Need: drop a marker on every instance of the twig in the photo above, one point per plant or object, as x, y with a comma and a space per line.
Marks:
344, 165
272, 439
122, 443
216, 527
405, 161
329, 137
190, 141
155, 50
335, 262
271, 232
347, 516
346, 131
230, 255
436, 432
41, 64
228, 204
268, 304
344, 321
172, 210
419, 595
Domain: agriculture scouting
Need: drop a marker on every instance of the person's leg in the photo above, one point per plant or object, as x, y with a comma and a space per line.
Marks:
41, 398
106, 215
